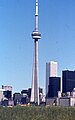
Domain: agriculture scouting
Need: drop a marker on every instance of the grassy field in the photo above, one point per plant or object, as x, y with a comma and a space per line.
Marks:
37, 113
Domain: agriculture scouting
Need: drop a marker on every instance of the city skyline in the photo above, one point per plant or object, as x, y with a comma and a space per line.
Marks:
57, 27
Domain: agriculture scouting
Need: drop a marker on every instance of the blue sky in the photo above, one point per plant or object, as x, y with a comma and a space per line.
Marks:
57, 27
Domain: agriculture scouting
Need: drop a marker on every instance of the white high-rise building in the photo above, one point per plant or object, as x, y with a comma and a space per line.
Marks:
51, 71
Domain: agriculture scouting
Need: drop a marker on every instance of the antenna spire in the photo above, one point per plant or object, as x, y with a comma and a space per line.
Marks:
36, 16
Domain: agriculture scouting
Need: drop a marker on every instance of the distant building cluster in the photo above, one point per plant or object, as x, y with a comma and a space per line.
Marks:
23, 98
59, 90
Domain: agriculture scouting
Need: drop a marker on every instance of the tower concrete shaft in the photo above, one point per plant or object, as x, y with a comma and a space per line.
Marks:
36, 36
36, 85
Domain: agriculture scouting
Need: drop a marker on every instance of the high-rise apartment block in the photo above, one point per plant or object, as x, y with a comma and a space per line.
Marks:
51, 71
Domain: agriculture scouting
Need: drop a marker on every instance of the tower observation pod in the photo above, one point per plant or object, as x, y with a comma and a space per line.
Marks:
35, 82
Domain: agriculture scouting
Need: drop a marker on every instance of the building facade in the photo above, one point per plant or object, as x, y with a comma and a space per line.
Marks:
51, 71
68, 81
7, 91
54, 86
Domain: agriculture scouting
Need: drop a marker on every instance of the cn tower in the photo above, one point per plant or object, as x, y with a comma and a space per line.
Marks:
35, 82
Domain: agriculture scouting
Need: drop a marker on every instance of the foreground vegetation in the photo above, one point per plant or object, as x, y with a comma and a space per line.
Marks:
37, 113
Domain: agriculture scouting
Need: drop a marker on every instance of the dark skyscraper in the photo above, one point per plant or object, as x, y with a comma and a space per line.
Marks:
36, 36
68, 81
53, 87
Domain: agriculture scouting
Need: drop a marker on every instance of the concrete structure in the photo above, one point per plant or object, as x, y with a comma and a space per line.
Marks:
35, 85
67, 99
51, 71
50, 101
62, 101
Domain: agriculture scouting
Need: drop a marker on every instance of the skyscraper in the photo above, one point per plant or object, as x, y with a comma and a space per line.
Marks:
54, 86
51, 71
36, 36
68, 81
